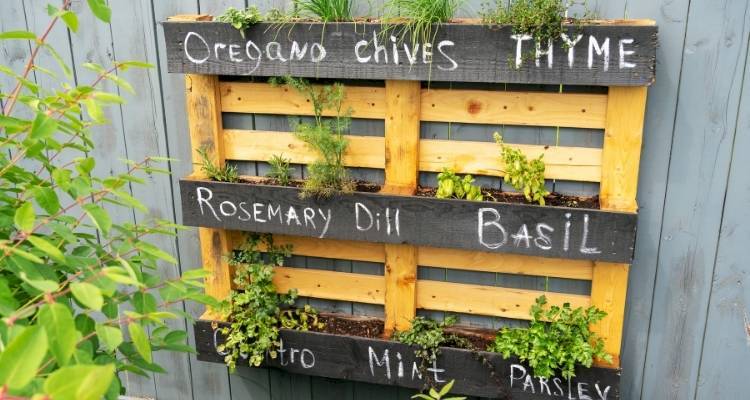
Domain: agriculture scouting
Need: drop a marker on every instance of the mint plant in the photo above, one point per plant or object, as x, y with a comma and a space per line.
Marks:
557, 339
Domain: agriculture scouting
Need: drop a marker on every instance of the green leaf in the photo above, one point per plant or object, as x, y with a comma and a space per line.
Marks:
23, 35
123, 65
25, 217
95, 111
109, 335
47, 199
42, 127
122, 83
43, 285
61, 331
99, 217
140, 341
47, 248
88, 295
60, 62
154, 251
100, 9
23, 356
80, 382
70, 19
108, 98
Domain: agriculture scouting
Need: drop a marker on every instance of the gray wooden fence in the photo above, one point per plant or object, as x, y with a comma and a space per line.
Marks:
687, 328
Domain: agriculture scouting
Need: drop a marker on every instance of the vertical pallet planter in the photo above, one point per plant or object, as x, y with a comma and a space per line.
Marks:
404, 231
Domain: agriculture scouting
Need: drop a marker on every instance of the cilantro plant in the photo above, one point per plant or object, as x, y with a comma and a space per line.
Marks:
326, 175
254, 309
557, 339
227, 173
434, 394
451, 186
73, 278
241, 19
524, 175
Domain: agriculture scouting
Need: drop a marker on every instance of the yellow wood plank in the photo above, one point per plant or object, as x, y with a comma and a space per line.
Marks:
400, 286
331, 285
402, 135
483, 158
363, 151
504, 263
214, 249
487, 300
621, 153
619, 184
191, 17
263, 98
479, 158
514, 108
608, 291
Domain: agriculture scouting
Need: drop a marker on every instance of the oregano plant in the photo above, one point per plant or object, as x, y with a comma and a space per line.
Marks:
82, 299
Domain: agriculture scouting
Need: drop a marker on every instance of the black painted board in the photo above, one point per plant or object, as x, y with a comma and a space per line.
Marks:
486, 226
606, 55
391, 363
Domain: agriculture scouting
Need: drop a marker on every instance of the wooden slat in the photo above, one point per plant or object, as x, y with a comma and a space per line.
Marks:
363, 151
331, 285
204, 124
437, 257
263, 98
504, 263
568, 163
574, 110
482, 158
514, 108
400, 286
619, 185
487, 300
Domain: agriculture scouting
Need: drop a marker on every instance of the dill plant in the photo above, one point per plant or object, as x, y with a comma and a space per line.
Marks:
326, 10
326, 175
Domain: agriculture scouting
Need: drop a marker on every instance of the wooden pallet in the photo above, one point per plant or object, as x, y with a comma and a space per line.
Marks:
403, 105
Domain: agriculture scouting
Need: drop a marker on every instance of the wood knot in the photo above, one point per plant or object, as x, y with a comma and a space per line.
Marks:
474, 107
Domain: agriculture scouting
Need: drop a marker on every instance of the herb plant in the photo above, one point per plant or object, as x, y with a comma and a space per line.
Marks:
326, 175
439, 395
559, 344
281, 172
326, 10
420, 16
451, 186
72, 276
428, 336
241, 19
227, 173
524, 175
254, 310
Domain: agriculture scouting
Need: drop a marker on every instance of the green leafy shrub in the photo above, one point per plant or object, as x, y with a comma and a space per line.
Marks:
281, 172
434, 394
559, 344
524, 175
326, 10
241, 19
451, 186
327, 174
254, 310
428, 336
72, 278
227, 173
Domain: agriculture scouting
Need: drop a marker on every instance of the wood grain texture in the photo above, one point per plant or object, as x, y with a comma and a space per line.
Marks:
460, 53
479, 158
331, 285
400, 287
609, 285
485, 226
351, 358
402, 136
487, 300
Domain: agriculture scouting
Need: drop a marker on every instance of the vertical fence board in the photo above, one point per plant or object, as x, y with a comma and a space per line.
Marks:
704, 129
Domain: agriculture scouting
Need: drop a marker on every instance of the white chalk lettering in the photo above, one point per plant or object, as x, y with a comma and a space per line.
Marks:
292, 214
435, 371
528, 383
307, 364
327, 219
519, 47
380, 362
543, 385
201, 200
522, 235
623, 53
571, 45
321, 53
566, 239
395, 49
242, 208
513, 368
584, 245
583, 392
234, 52
454, 64
560, 392
543, 241
538, 53
409, 56
481, 225
190, 56
602, 395
357, 207
359, 45
258, 54
297, 52
600, 50
227, 213
223, 353
274, 212
257, 212
379, 49
270, 54
427, 53
309, 214
218, 46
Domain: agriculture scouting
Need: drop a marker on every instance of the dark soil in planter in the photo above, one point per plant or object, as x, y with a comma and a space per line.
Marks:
492, 195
